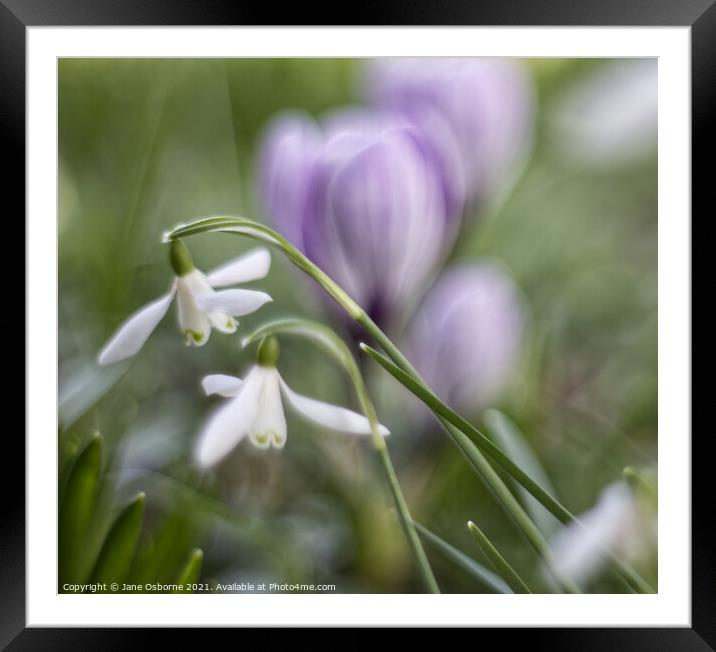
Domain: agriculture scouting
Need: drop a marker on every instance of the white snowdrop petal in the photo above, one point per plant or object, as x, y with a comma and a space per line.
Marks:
328, 415
193, 321
269, 427
232, 302
251, 266
228, 425
133, 333
221, 384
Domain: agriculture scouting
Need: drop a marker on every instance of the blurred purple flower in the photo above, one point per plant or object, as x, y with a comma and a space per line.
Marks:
466, 336
365, 204
487, 104
290, 150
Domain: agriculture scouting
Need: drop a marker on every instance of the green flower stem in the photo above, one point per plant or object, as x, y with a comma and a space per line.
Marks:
406, 373
499, 562
334, 346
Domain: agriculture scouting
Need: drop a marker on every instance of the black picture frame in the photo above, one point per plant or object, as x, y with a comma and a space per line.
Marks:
17, 15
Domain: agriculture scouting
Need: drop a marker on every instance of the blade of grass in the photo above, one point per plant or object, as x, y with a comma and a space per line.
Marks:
189, 574
508, 437
469, 565
498, 561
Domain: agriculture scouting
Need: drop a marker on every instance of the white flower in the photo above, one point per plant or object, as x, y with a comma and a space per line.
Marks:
256, 410
615, 523
200, 308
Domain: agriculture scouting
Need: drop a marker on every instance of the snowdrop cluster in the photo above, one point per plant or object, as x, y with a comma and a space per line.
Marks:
256, 406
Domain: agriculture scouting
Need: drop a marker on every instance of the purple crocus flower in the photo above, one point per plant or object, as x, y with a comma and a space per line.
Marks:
488, 104
366, 205
465, 338
290, 150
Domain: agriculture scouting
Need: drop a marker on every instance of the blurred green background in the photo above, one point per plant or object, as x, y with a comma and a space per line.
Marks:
145, 144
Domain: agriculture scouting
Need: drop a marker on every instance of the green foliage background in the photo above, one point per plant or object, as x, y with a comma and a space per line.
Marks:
145, 144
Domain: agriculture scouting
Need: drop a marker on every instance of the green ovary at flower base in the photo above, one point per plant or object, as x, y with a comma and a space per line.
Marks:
199, 307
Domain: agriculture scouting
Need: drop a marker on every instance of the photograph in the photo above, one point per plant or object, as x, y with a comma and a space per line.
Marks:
344, 325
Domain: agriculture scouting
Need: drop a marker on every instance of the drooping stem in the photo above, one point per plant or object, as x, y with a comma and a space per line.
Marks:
328, 341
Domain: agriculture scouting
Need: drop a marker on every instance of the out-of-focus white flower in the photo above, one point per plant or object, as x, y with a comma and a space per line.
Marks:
615, 523
256, 410
611, 116
199, 307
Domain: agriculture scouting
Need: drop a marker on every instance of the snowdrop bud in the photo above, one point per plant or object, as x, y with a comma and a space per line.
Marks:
180, 258
268, 352
466, 336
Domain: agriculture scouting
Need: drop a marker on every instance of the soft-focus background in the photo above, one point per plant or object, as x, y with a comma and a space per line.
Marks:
543, 287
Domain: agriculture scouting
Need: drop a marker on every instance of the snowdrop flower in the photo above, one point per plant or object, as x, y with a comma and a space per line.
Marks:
200, 308
256, 410
615, 523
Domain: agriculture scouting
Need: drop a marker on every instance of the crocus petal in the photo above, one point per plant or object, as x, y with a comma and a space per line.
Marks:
133, 333
269, 427
232, 302
193, 321
221, 384
230, 423
249, 267
328, 415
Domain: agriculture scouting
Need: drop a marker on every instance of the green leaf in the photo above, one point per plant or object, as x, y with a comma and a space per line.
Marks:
473, 435
498, 561
76, 510
117, 552
468, 564
509, 438
189, 574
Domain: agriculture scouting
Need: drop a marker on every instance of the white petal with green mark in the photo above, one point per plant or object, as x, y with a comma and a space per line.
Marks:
230, 423
193, 322
269, 427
